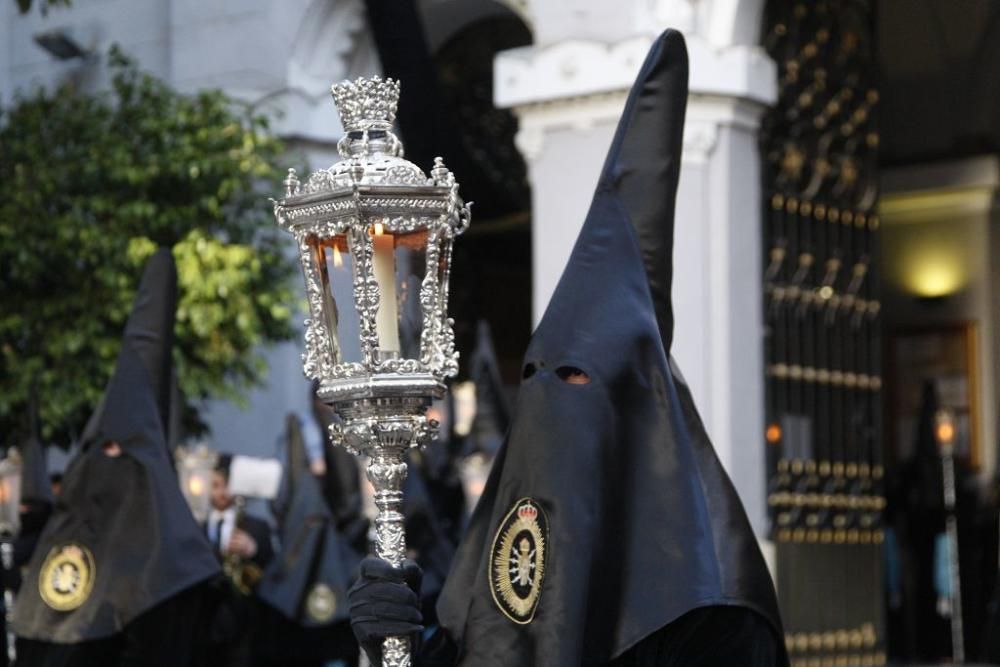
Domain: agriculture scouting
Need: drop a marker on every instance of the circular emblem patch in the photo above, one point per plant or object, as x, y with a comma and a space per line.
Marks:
517, 565
67, 577
321, 604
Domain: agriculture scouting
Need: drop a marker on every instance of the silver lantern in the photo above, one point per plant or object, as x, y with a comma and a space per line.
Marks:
374, 235
10, 493
194, 471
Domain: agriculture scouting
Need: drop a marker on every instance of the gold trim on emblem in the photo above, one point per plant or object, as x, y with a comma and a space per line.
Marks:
321, 604
67, 576
517, 562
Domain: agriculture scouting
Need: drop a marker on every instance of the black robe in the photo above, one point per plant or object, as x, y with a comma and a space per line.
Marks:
607, 518
718, 636
174, 633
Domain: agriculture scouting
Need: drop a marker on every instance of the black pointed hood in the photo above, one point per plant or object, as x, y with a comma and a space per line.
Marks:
36, 488
149, 340
35, 484
607, 514
643, 167
308, 581
492, 410
121, 538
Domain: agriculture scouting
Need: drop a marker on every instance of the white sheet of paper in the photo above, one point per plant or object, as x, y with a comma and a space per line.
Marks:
255, 477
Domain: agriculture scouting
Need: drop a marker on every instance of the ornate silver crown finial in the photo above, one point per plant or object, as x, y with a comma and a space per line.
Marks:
366, 104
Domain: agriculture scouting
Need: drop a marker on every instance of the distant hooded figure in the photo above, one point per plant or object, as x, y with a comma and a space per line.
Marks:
35, 509
115, 578
305, 586
428, 541
924, 545
492, 419
36, 496
608, 531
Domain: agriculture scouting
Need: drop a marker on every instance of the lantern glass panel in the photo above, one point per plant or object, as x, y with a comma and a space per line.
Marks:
196, 483
10, 496
340, 314
411, 267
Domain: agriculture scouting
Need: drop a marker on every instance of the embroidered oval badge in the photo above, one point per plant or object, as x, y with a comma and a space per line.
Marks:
67, 576
517, 563
321, 603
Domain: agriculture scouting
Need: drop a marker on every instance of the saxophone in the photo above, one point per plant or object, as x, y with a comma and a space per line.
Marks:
243, 573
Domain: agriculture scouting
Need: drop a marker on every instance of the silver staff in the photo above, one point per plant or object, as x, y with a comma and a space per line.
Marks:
374, 234
944, 428
10, 525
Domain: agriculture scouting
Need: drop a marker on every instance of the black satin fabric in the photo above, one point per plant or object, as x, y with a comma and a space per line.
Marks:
715, 636
174, 633
312, 551
718, 636
285, 643
127, 510
645, 525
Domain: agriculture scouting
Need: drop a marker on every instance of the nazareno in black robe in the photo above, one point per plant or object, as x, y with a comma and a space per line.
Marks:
303, 593
149, 597
36, 506
608, 532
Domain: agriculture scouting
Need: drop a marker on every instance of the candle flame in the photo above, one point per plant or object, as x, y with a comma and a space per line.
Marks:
379, 229
196, 486
945, 432
944, 427
338, 261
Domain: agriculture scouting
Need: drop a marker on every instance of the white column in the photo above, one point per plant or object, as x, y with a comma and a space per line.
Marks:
568, 97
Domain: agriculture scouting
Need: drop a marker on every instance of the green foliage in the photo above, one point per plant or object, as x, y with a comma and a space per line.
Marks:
89, 186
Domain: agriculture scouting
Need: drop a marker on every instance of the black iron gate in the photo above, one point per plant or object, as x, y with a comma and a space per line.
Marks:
823, 434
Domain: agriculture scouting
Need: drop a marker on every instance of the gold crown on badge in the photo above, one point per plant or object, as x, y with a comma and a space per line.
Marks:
527, 512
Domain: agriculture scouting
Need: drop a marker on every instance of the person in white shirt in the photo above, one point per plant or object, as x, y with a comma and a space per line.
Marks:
244, 536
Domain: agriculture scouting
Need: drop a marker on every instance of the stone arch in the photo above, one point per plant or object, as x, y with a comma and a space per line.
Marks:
444, 19
463, 37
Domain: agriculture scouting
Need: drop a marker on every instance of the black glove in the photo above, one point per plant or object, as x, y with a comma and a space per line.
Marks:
385, 602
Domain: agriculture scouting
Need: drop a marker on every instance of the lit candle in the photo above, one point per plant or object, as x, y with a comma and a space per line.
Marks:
196, 486
384, 264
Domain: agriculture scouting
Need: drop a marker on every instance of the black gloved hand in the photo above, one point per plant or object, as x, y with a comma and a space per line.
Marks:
385, 602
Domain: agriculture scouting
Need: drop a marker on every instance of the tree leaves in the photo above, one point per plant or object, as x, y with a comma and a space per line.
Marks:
89, 186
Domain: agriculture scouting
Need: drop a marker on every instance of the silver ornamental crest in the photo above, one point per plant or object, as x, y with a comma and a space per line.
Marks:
517, 565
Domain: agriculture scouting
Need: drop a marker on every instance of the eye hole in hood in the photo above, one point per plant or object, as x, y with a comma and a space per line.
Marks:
572, 375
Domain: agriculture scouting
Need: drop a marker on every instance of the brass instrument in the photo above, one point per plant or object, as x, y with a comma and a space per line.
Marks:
244, 574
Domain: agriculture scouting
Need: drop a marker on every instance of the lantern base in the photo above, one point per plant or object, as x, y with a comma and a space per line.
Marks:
382, 426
